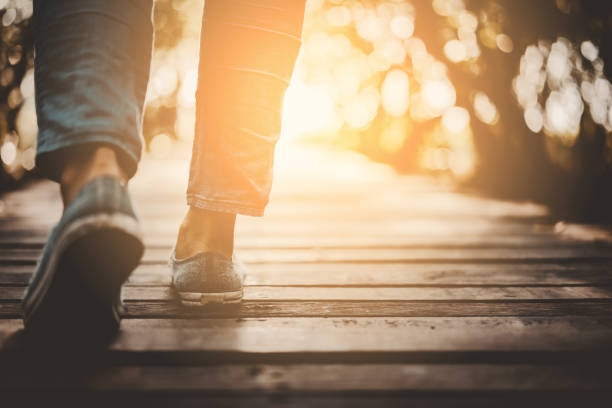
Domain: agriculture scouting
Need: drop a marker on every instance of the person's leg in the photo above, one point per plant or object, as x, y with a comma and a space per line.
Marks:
91, 71
248, 51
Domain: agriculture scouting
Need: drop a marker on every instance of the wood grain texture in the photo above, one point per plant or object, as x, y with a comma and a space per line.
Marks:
312, 378
355, 295
383, 255
254, 293
419, 338
381, 274
164, 309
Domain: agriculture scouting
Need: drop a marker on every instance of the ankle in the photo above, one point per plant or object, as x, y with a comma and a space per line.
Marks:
206, 231
101, 162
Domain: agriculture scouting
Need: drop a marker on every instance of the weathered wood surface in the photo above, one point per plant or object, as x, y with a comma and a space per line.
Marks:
382, 255
273, 293
364, 288
382, 274
410, 336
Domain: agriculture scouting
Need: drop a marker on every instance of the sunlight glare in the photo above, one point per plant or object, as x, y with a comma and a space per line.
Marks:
558, 66
455, 51
363, 108
396, 92
402, 27
371, 28
456, 119
438, 96
307, 109
563, 113
504, 43
160, 145
8, 152
393, 136
339, 16
165, 80
485, 109
534, 119
589, 50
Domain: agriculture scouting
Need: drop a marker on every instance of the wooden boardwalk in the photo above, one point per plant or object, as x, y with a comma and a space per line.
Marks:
364, 288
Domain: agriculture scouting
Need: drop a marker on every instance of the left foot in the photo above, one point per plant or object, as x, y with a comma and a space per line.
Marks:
204, 269
74, 292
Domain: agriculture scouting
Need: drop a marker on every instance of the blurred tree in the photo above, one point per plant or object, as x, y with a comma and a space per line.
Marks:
515, 159
16, 58
512, 98
531, 74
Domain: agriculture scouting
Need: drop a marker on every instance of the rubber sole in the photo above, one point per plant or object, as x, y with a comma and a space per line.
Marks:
79, 291
203, 299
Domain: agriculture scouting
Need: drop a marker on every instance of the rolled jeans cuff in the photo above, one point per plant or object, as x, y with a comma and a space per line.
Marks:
91, 70
52, 157
201, 202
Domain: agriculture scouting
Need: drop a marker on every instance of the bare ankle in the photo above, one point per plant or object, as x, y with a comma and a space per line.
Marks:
102, 161
206, 231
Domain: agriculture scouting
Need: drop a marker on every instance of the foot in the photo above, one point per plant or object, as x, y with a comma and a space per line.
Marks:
207, 277
74, 292
204, 269
205, 231
101, 162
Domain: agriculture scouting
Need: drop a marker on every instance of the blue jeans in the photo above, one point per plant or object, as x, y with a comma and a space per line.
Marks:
92, 62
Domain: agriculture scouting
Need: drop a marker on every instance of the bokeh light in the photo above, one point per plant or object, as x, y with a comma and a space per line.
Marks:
456, 119
485, 109
362, 69
442, 86
554, 86
396, 92
8, 152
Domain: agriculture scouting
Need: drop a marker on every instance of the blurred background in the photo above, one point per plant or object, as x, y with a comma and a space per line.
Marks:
504, 98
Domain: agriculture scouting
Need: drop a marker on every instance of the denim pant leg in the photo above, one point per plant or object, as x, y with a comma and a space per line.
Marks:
91, 70
247, 54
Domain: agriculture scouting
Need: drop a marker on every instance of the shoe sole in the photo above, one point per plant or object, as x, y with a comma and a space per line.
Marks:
80, 288
203, 299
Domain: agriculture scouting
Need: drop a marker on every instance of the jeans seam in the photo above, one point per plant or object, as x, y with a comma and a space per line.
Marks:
200, 201
87, 139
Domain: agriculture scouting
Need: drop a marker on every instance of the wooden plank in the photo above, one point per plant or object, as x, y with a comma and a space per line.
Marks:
382, 308
408, 294
323, 399
408, 255
415, 335
165, 293
341, 379
431, 199
425, 228
380, 274
403, 255
320, 212
346, 308
36, 239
